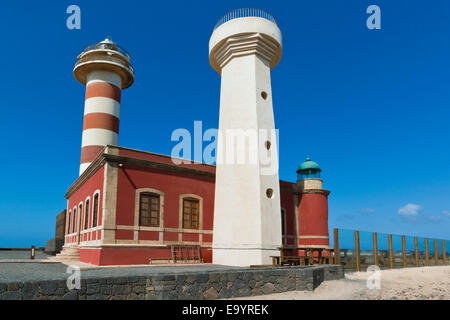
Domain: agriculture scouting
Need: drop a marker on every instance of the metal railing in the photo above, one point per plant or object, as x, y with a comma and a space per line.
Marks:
243, 13
107, 46
106, 58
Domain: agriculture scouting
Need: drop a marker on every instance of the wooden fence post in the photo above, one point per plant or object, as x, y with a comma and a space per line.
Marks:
427, 253
436, 253
391, 253
416, 251
404, 251
357, 252
337, 254
444, 252
375, 249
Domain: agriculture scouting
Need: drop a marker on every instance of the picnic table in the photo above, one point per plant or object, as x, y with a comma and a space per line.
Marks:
290, 256
320, 257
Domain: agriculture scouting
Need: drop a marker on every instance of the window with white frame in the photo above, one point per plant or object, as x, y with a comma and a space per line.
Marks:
86, 214
95, 211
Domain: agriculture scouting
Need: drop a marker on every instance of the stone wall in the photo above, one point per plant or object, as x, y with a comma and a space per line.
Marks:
55, 245
189, 286
50, 247
60, 231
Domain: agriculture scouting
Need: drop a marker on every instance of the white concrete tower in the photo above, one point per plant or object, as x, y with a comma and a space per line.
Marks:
105, 69
245, 45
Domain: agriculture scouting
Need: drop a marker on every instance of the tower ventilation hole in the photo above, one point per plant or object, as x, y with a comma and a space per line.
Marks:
269, 193
264, 95
268, 145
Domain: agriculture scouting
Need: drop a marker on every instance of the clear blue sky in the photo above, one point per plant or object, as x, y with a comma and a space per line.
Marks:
372, 107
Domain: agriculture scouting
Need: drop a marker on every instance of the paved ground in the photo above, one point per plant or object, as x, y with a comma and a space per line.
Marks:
409, 284
20, 255
11, 272
15, 272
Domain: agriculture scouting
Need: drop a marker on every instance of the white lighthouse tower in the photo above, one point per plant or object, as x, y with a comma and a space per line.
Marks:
245, 45
105, 69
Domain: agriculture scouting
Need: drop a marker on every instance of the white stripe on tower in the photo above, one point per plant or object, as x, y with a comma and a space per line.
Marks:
101, 114
102, 104
99, 137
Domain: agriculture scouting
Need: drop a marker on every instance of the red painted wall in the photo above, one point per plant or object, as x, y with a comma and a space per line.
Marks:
313, 218
288, 203
95, 182
131, 178
122, 256
127, 256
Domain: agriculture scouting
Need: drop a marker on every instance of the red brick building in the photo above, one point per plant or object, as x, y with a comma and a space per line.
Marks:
128, 206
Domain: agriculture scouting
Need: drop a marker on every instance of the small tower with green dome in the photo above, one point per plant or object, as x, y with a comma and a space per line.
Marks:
308, 175
312, 210
308, 170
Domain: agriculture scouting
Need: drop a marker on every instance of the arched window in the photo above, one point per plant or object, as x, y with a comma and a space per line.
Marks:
149, 209
68, 222
80, 212
74, 217
86, 215
95, 211
191, 213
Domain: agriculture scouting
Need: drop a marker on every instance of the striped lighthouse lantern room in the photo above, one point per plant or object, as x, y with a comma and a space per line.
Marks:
105, 69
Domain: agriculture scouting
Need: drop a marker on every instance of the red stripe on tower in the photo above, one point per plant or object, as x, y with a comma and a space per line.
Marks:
103, 89
89, 153
101, 121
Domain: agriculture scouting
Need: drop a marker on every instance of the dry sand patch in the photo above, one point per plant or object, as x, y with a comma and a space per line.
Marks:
399, 284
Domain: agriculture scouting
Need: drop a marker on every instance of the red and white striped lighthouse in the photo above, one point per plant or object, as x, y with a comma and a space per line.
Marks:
105, 69
312, 207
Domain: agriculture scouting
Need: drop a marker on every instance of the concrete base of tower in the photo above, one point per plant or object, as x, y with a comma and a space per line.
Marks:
243, 257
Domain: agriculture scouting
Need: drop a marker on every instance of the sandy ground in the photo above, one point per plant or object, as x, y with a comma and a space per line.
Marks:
400, 284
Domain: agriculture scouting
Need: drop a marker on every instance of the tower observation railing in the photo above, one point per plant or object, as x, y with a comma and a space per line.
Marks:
243, 13
107, 46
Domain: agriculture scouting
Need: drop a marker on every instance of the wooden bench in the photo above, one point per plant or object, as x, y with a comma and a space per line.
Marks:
291, 260
311, 256
160, 260
287, 257
181, 254
275, 260
186, 254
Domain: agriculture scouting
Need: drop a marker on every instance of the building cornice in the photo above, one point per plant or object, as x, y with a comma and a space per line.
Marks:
315, 191
247, 44
111, 158
156, 165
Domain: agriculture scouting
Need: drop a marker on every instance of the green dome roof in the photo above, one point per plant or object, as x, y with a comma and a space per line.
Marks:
308, 165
